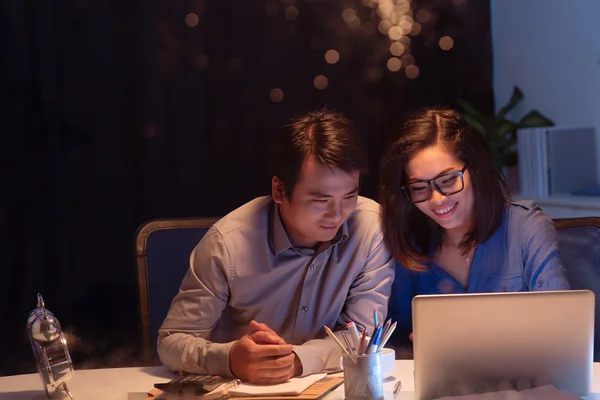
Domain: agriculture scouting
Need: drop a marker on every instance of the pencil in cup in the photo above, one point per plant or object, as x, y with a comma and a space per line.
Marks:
365, 343
337, 341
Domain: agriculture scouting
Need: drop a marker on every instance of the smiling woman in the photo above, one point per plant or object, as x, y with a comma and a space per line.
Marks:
449, 221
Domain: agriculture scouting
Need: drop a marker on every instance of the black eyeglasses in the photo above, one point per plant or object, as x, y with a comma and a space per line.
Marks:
446, 184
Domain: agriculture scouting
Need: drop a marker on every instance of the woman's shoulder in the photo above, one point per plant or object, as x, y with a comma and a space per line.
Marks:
525, 212
521, 206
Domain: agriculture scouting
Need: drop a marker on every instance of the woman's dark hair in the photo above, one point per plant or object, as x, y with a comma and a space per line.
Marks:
327, 135
409, 234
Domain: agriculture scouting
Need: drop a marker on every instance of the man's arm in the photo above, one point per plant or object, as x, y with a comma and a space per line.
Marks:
259, 357
370, 291
195, 310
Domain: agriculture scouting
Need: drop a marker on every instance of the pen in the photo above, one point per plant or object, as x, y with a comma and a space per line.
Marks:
387, 336
335, 340
388, 323
375, 340
397, 387
375, 318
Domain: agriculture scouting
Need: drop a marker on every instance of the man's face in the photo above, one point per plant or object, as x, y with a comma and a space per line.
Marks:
320, 203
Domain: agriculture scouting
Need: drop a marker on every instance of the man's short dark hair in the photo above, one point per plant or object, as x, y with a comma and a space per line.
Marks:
327, 135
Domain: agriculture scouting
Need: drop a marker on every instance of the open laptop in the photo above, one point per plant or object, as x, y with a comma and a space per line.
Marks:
487, 342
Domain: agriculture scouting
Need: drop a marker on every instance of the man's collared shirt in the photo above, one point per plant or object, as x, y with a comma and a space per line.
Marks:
245, 268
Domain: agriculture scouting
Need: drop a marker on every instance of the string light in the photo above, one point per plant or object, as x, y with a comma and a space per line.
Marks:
396, 21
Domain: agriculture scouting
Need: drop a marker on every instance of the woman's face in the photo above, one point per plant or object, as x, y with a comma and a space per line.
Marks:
452, 212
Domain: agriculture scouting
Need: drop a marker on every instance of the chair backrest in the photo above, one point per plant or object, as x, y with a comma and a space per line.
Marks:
163, 249
579, 246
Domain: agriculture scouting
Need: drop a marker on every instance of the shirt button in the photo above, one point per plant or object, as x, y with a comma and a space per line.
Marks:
540, 282
312, 267
304, 309
504, 288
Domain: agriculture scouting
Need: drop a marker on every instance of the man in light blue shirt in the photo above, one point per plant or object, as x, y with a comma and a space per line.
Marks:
268, 276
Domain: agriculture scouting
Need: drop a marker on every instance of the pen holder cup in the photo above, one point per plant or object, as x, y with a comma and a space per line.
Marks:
362, 376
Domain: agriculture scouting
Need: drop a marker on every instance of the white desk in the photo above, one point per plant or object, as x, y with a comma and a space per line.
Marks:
133, 384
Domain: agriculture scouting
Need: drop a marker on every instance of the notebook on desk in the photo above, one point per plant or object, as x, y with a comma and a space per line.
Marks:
474, 343
310, 387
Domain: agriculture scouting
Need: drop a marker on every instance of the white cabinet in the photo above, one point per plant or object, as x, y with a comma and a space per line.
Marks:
569, 206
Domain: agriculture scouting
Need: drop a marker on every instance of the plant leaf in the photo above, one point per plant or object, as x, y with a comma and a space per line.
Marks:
478, 121
470, 110
534, 119
504, 128
515, 98
478, 127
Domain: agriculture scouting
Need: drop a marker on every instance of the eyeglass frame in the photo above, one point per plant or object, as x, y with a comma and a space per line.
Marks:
431, 183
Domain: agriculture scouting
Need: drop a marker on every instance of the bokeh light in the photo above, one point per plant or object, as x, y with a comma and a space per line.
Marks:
234, 63
394, 64
149, 131
272, 8
412, 71
354, 24
395, 32
332, 56
276, 95
446, 43
291, 13
202, 60
373, 74
423, 16
384, 26
368, 28
191, 20
397, 49
416, 29
349, 15
321, 82
407, 59
396, 21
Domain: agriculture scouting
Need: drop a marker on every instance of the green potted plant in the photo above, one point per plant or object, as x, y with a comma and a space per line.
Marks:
500, 133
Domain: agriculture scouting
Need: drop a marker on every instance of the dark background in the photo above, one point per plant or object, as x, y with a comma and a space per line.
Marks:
117, 112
